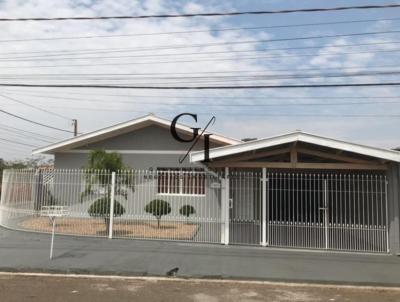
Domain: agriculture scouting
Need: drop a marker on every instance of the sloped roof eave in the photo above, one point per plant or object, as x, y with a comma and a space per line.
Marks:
381, 153
108, 132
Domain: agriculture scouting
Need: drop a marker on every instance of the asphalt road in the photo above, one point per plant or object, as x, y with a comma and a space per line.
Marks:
53, 289
29, 252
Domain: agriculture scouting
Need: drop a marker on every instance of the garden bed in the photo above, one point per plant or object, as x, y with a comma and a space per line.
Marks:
122, 227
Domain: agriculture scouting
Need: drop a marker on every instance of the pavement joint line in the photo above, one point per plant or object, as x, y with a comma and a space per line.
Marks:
210, 280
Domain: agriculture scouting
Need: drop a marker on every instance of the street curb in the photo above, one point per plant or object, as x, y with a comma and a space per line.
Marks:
205, 279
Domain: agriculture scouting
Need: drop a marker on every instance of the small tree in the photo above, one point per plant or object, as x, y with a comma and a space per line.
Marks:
187, 210
158, 208
101, 208
100, 160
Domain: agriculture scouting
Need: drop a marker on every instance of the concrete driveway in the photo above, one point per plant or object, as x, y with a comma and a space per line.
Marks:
23, 251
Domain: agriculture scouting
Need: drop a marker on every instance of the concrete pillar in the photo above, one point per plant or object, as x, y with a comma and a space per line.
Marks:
225, 208
393, 208
264, 181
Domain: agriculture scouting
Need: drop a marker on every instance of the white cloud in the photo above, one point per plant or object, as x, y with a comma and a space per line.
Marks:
242, 126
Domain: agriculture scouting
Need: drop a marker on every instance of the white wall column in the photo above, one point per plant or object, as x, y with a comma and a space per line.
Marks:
223, 206
225, 209
264, 182
112, 197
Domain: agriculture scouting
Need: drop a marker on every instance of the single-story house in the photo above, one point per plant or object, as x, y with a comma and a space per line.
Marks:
144, 143
296, 190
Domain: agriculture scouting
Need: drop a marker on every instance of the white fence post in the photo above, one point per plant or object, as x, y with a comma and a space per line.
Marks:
264, 207
3, 193
112, 195
326, 214
225, 208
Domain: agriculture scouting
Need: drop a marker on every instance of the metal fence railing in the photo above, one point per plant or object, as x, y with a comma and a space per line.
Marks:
183, 205
331, 211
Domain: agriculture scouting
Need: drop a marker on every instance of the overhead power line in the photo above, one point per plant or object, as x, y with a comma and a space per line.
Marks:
17, 142
193, 72
34, 122
54, 57
268, 114
216, 79
202, 87
202, 59
35, 107
25, 136
202, 97
212, 14
58, 58
199, 31
182, 46
3, 126
251, 105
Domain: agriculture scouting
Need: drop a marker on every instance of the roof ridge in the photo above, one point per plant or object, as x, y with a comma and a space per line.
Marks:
118, 126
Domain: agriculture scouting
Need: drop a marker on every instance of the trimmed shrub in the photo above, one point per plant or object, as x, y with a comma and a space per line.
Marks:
187, 210
101, 208
158, 208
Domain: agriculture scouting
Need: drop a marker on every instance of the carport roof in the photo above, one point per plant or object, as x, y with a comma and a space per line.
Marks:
298, 136
122, 128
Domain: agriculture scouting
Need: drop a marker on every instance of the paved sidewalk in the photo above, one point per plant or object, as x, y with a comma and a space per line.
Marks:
23, 251
82, 289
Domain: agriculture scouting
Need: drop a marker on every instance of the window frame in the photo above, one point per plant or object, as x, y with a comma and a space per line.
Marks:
181, 179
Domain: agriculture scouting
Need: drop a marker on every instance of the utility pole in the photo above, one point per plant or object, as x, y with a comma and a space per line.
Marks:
75, 124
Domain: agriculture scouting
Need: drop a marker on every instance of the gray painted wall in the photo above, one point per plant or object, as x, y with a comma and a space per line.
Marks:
134, 161
155, 138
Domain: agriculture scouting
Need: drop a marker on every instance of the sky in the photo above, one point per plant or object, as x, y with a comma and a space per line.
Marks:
177, 51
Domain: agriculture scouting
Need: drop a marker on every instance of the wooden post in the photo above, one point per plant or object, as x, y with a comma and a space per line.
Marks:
75, 124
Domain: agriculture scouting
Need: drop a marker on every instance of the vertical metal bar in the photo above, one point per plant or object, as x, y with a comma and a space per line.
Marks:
226, 201
353, 223
112, 195
301, 221
293, 209
387, 216
224, 192
358, 214
52, 237
326, 213
264, 207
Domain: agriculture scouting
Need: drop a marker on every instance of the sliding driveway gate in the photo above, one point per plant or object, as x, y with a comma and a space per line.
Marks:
335, 211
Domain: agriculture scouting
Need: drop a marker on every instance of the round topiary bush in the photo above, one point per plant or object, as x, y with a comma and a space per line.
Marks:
158, 208
187, 210
101, 208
